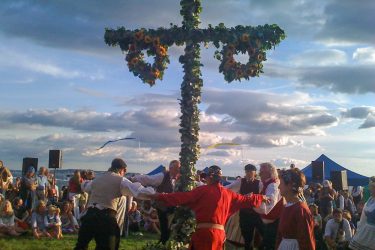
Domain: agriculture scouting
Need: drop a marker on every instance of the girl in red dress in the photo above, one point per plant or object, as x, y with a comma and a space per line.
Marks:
296, 227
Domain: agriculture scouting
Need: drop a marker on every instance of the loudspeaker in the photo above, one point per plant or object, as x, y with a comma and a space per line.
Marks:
55, 159
339, 180
317, 171
27, 162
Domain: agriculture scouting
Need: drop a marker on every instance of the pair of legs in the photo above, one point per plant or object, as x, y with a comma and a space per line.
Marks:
100, 225
38, 233
55, 231
248, 222
9, 230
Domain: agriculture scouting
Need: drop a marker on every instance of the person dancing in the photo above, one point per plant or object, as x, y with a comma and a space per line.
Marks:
212, 204
296, 225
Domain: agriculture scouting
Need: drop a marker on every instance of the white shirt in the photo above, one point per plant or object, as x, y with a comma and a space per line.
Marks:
332, 228
128, 188
273, 193
149, 180
358, 190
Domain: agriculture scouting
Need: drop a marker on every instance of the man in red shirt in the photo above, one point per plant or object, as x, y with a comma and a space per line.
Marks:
212, 204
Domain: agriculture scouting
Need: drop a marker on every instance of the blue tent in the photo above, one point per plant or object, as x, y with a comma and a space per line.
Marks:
157, 170
354, 179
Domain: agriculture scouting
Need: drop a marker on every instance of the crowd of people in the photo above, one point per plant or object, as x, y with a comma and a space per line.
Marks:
269, 209
35, 204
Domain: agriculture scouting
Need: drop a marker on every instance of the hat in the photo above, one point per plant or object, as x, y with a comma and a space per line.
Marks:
31, 169
250, 167
214, 172
326, 183
118, 163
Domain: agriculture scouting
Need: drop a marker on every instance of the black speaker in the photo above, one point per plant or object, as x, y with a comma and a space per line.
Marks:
317, 171
339, 180
27, 162
55, 158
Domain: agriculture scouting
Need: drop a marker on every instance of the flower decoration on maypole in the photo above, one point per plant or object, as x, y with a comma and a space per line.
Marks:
135, 58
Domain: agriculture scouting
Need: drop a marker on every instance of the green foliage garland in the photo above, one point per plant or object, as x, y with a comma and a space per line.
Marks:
241, 39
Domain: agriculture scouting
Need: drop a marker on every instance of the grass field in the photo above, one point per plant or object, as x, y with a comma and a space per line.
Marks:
68, 242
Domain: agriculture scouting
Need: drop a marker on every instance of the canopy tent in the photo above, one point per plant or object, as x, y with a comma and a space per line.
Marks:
354, 179
157, 170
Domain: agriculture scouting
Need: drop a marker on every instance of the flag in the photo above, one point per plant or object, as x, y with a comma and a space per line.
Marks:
223, 144
121, 139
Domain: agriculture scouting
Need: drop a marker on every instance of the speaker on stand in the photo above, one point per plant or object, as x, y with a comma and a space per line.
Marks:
317, 171
55, 160
339, 180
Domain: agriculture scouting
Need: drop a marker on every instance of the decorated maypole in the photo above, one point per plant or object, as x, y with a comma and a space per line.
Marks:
253, 41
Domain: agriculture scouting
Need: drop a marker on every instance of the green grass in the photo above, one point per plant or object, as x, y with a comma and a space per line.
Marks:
68, 242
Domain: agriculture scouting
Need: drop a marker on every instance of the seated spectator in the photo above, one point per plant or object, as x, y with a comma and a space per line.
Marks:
346, 215
135, 218
37, 221
53, 192
21, 214
52, 222
337, 232
7, 225
69, 223
150, 217
318, 226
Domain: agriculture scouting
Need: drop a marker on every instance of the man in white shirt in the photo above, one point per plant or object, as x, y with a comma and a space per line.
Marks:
337, 232
106, 192
163, 182
270, 212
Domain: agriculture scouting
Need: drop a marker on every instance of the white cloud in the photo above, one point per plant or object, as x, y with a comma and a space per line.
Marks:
320, 57
365, 55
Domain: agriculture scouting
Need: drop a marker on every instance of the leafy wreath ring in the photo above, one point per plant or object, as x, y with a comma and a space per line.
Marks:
146, 71
234, 70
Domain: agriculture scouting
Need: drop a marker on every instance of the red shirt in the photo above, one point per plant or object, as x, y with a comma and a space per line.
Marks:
211, 204
296, 222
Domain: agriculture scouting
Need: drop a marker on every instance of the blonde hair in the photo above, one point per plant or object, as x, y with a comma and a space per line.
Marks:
10, 209
271, 169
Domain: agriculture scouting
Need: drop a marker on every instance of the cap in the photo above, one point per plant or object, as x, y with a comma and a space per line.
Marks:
118, 163
250, 167
31, 169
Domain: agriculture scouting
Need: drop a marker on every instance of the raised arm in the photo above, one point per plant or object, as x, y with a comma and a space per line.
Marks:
149, 180
135, 189
180, 198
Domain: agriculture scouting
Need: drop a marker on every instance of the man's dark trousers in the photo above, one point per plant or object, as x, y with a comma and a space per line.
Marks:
100, 225
249, 220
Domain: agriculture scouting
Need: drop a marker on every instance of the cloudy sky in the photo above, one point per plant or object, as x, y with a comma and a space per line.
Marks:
62, 87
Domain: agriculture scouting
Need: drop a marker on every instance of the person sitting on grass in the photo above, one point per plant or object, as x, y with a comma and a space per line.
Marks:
7, 225
135, 218
20, 213
52, 222
69, 224
37, 221
151, 222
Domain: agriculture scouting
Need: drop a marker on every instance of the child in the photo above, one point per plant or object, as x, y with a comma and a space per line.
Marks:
52, 221
68, 221
20, 214
7, 224
318, 225
37, 221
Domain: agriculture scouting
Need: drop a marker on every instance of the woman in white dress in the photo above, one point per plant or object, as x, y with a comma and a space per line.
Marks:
364, 239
